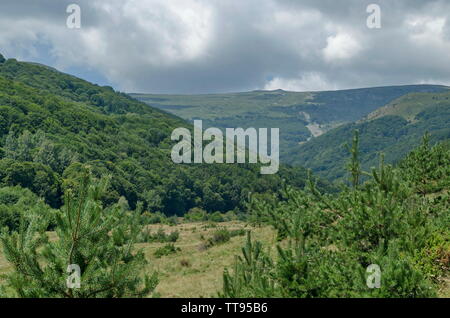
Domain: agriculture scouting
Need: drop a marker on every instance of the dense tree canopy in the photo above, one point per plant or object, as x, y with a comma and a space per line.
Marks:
52, 124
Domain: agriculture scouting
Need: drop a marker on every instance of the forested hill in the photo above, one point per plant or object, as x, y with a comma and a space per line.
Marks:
394, 130
301, 116
51, 124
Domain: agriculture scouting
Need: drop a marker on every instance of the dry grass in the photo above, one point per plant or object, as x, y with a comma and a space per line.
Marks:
203, 275
191, 272
4, 265
194, 272
444, 292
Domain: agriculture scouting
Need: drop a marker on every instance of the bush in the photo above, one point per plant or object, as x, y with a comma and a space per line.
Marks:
230, 216
38, 178
196, 215
153, 218
160, 236
223, 235
238, 232
165, 250
434, 258
216, 217
185, 263
16, 202
172, 221
220, 236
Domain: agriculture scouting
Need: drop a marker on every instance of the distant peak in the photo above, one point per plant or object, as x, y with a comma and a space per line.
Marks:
270, 91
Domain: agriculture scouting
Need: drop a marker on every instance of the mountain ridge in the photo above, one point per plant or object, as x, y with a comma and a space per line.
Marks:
392, 130
301, 116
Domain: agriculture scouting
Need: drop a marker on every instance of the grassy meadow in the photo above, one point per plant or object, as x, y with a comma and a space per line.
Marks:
193, 271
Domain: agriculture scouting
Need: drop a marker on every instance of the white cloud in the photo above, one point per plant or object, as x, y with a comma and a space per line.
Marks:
427, 29
304, 83
183, 27
342, 46
200, 46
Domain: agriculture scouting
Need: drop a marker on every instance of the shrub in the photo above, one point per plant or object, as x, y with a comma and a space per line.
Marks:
238, 232
185, 263
216, 217
434, 258
196, 215
160, 236
153, 218
230, 216
165, 250
219, 236
16, 202
172, 221
223, 235
173, 236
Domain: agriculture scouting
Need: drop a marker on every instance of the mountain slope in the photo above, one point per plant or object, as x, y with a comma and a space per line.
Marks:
300, 116
394, 129
51, 124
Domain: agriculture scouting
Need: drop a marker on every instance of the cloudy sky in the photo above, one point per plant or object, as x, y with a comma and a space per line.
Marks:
208, 46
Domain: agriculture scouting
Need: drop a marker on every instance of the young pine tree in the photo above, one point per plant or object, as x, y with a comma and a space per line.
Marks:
96, 241
354, 165
328, 242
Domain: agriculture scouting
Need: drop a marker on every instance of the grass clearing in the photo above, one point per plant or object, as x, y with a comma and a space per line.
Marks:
192, 271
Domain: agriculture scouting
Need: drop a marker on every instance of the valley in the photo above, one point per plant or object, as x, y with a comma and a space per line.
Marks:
301, 116
220, 157
88, 171
393, 130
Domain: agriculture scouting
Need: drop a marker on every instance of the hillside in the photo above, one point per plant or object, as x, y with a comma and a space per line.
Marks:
398, 219
410, 105
393, 129
300, 116
52, 124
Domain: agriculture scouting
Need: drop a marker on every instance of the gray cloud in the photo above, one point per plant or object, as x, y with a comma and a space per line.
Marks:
200, 46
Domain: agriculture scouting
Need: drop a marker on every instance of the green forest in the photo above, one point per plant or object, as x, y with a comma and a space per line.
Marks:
53, 124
